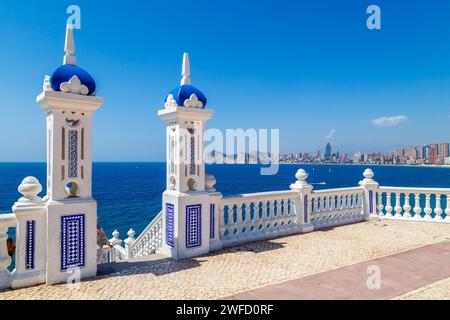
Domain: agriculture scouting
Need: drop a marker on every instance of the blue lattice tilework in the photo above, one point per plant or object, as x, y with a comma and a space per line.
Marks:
211, 221
30, 244
192, 167
73, 241
73, 154
193, 226
170, 222
305, 217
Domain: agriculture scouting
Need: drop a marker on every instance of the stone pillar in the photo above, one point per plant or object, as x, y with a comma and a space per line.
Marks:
31, 251
6, 221
370, 192
128, 242
185, 202
214, 223
69, 100
302, 205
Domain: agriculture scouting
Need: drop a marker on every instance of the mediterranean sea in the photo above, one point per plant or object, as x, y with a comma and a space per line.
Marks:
129, 194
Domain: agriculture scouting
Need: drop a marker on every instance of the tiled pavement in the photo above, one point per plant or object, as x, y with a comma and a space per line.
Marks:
261, 264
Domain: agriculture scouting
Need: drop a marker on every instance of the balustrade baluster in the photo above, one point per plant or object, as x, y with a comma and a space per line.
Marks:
427, 209
447, 208
350, 201
417, 209
239, 219
407, 207
222, 226
269, 208
438, 210
326, 213
380, 206
276, 209
231, 224
261, 216
331, 207
388, 205
397, 208
320, 210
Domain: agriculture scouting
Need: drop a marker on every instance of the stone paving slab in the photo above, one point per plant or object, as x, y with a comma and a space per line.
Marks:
246, 267
439, 290
399, 273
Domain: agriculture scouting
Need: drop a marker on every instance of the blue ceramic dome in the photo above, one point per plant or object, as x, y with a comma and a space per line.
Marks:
67, 71
183, 92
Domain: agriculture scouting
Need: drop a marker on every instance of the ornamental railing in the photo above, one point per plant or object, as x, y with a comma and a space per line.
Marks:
255, 216
250, 217
419, 204
334, 207
147, 243
7, 221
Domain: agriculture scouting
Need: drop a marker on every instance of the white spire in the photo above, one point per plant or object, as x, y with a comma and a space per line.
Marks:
186, 70
69, 47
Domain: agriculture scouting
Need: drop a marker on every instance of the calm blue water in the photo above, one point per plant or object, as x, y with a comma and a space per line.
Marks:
129, 194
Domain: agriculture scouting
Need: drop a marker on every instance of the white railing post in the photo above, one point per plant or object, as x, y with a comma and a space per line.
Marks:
31, 234
115, 241
427, 209
438, 210
407, 207
417, 209
447, 208
216, 217
6, 221
302, 207
128, 242
370, 190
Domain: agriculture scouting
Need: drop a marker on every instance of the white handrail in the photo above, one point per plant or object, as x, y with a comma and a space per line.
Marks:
416, 190
147, 229
338, 190
268, 195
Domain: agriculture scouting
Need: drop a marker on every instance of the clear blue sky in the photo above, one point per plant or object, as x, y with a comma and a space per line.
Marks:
305, 67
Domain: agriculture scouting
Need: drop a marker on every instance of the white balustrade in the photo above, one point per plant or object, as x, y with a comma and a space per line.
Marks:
427, 203
266, 215
334, 207
256, 216
149, 241
6, 221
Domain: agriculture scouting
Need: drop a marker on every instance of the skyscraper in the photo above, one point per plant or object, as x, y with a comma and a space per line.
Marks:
327, 151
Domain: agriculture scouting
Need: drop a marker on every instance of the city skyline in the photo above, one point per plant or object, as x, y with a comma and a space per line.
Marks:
358, 88
433, 153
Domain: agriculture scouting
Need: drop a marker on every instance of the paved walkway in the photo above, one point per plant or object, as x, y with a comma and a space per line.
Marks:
250, 266
399, 274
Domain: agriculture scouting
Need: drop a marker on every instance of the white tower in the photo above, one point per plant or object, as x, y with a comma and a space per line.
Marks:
69, 101
186, 217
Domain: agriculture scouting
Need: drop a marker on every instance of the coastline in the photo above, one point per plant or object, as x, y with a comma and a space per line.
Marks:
372, 165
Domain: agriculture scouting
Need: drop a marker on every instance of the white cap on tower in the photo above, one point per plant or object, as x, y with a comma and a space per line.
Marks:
69, 47
186, 70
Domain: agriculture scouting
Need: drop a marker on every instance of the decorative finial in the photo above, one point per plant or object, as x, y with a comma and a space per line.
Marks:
368, 174
69, 47
301, 183
210, 181
131, 233
186, 70
30, 188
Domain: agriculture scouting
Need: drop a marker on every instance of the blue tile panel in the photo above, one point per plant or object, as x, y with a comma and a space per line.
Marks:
305, 209
193, 226
211, 221
170, 223
73, 154
30, 243
73, 241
